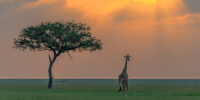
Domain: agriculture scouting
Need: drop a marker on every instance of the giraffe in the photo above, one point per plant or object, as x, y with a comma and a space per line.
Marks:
123, 76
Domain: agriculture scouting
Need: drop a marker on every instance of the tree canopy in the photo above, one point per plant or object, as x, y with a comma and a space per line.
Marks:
58, 37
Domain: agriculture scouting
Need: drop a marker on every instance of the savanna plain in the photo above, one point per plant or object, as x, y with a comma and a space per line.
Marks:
94, 90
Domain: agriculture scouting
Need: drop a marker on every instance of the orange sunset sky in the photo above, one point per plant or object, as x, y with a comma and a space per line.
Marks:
162, 36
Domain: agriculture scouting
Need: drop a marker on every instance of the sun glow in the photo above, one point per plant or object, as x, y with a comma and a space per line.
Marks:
146, 1
146, 9
108, 6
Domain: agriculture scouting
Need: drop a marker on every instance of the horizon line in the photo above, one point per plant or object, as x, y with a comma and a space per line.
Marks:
102, 78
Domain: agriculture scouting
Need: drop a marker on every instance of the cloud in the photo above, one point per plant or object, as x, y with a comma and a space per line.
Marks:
20, 13
192, 5
130, 14
99, 7
139, 11
41, 2
193, 18
187, 19
5, 1
7, 6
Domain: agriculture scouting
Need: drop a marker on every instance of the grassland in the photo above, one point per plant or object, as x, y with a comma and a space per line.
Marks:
79, 91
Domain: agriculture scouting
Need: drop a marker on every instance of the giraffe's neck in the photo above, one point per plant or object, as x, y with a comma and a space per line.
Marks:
125, 67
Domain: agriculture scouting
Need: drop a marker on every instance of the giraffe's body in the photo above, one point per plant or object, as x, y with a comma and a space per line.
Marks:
123, 77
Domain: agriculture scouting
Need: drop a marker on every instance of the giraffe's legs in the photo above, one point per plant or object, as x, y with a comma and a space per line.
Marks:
120, 85
120, 89
125, 87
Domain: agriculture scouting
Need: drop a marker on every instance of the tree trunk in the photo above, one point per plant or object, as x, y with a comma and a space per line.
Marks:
50, 76
51, 62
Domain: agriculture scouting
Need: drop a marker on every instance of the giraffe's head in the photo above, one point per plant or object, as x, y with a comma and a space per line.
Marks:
127, 57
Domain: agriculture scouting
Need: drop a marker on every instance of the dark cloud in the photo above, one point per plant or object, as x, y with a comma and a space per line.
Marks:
8, 5
192, 5
19, 14
128, 13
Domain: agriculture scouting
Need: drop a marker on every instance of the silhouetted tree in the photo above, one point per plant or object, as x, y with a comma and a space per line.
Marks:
58, 38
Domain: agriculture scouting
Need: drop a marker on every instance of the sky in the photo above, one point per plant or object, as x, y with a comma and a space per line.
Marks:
162, 36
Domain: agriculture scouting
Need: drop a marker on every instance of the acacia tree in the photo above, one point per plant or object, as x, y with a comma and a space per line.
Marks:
58, 38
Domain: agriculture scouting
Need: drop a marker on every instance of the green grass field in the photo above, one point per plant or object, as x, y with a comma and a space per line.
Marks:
99, 91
